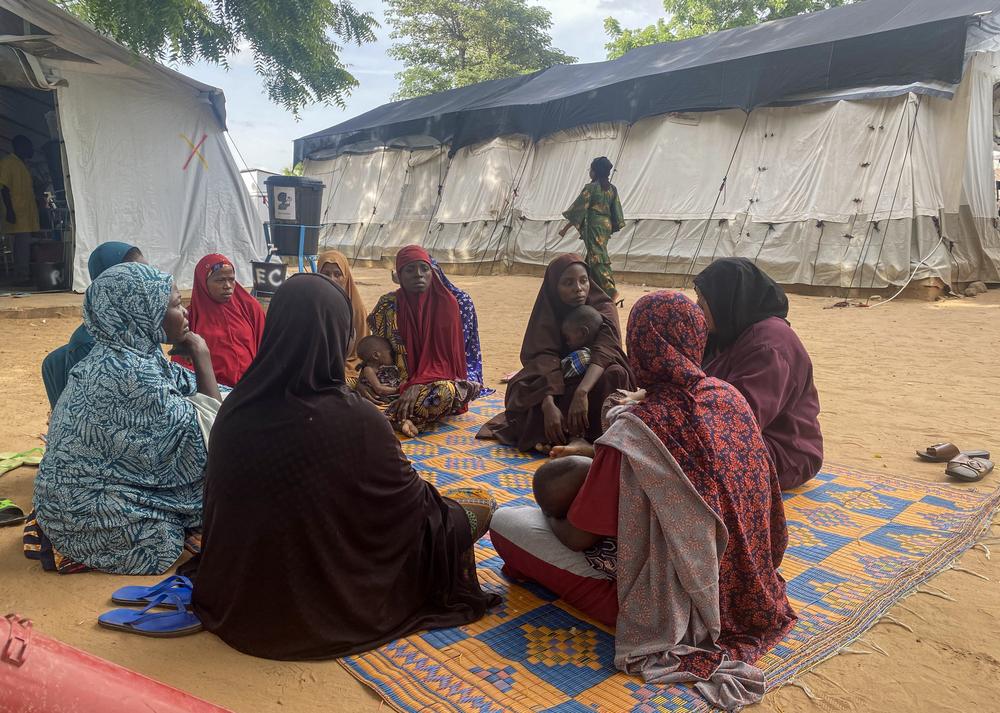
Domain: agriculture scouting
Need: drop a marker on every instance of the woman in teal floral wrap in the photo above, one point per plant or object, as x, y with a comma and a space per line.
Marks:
597, 215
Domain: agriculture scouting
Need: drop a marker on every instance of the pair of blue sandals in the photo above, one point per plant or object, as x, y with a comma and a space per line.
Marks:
165, 609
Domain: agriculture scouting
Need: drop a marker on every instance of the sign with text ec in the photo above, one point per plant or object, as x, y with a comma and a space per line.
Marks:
267, 277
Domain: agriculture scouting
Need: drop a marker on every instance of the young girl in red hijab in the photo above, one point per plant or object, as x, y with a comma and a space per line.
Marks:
422, 322
226, 316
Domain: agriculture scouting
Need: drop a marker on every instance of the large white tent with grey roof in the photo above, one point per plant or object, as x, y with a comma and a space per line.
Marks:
846, 148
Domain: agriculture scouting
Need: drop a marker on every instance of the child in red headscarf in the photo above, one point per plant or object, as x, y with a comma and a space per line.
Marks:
422, 322
226, 316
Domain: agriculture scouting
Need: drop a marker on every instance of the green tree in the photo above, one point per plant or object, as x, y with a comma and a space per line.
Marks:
691, 18
292, 41
451, 43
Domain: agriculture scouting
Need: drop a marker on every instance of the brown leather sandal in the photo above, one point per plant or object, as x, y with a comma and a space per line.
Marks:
944, 452
968, 469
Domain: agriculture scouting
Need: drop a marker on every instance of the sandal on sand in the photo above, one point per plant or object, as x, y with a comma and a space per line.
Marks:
10, 461
167, 624
10, 514
176, 585
944, 452
968, 469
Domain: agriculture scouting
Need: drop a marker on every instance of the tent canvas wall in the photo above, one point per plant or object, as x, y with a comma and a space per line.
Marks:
128, 128
253, 179
856, 172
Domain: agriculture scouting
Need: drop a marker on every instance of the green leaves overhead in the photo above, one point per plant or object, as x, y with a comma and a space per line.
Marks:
292, 42
448, 43
691, 18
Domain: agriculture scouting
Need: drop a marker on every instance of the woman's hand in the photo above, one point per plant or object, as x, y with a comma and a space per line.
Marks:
555, 428
365, 392
402, 408
194, 348
579, 413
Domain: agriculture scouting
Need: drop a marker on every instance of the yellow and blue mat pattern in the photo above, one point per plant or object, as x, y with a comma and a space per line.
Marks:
857, 544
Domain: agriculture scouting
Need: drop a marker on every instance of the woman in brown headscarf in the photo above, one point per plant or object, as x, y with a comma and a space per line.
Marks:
542, 407
334, 265
320, 539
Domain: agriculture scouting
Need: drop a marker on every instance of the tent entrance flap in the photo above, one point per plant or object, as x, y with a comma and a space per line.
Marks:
37, 249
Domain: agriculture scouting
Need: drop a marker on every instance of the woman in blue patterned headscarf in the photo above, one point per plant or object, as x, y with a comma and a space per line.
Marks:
121, 481
470, 330
56, 366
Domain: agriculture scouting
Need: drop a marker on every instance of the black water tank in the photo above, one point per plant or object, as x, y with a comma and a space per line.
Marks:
293, 201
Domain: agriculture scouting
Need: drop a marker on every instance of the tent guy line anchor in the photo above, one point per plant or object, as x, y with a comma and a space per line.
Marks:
195, 151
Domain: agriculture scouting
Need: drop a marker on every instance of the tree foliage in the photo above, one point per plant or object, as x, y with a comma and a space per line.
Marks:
291, 41
451, 43
691, 18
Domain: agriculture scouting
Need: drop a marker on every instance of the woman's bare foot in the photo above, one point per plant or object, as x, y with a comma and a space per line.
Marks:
576, 447
408, 429
542, 448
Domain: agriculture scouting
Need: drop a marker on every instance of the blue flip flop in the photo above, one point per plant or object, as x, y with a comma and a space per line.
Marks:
164, 624
176, 585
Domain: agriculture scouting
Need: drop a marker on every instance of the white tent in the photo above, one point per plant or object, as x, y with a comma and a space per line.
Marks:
129, 129
859, 186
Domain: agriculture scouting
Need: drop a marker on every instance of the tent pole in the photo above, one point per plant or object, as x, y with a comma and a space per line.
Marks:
378, 194
715, 205
863, 252
819, 244
899, 181
437, 201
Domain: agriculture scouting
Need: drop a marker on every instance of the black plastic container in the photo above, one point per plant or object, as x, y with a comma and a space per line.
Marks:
293, 201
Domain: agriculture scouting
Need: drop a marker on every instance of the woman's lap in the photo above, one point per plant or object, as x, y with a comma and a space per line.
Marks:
531, 551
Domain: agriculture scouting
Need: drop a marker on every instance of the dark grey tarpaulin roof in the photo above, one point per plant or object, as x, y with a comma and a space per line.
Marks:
871, 43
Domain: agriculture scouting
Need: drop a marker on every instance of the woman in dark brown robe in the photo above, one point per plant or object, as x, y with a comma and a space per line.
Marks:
542, 408
320, 540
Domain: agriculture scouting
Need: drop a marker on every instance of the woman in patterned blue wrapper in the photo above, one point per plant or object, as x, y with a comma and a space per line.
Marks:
120, 486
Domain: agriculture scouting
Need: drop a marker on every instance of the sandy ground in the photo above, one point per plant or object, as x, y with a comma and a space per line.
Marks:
891, 379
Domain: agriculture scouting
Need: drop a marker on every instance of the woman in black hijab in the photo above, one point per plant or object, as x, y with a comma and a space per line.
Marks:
752, 346
320, 540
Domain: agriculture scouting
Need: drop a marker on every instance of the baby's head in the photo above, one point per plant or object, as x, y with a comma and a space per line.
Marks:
375, 351
580, 327
557, 482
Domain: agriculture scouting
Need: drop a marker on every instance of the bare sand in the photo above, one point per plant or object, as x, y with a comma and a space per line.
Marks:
891, 379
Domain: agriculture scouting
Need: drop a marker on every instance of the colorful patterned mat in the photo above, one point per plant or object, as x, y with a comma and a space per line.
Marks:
858, 544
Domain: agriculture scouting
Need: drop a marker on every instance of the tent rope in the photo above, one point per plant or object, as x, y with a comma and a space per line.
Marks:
437, 203
378, 195
862, 253
715, 205
506, 211
899, 181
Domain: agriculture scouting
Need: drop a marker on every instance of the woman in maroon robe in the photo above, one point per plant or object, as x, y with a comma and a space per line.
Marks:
542, 407
753, 347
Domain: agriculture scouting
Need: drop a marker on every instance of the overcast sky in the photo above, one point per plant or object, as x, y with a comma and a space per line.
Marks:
264, 132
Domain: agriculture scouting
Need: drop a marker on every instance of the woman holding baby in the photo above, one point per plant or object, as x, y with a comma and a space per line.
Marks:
421, 321
551, 401
682, 483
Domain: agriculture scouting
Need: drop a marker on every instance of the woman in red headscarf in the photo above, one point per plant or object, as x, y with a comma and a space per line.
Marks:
422, 323
226, 316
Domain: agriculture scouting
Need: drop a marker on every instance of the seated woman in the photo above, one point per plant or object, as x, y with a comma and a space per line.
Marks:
56, 366
752, 346
225, 315
542, 407
120, 485
421, 321
335, 265
355, 549
701, 602
470, 331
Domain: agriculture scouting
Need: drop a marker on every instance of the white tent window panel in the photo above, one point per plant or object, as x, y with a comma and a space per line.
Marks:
426, 171
481, 178
360, 188
560, 168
